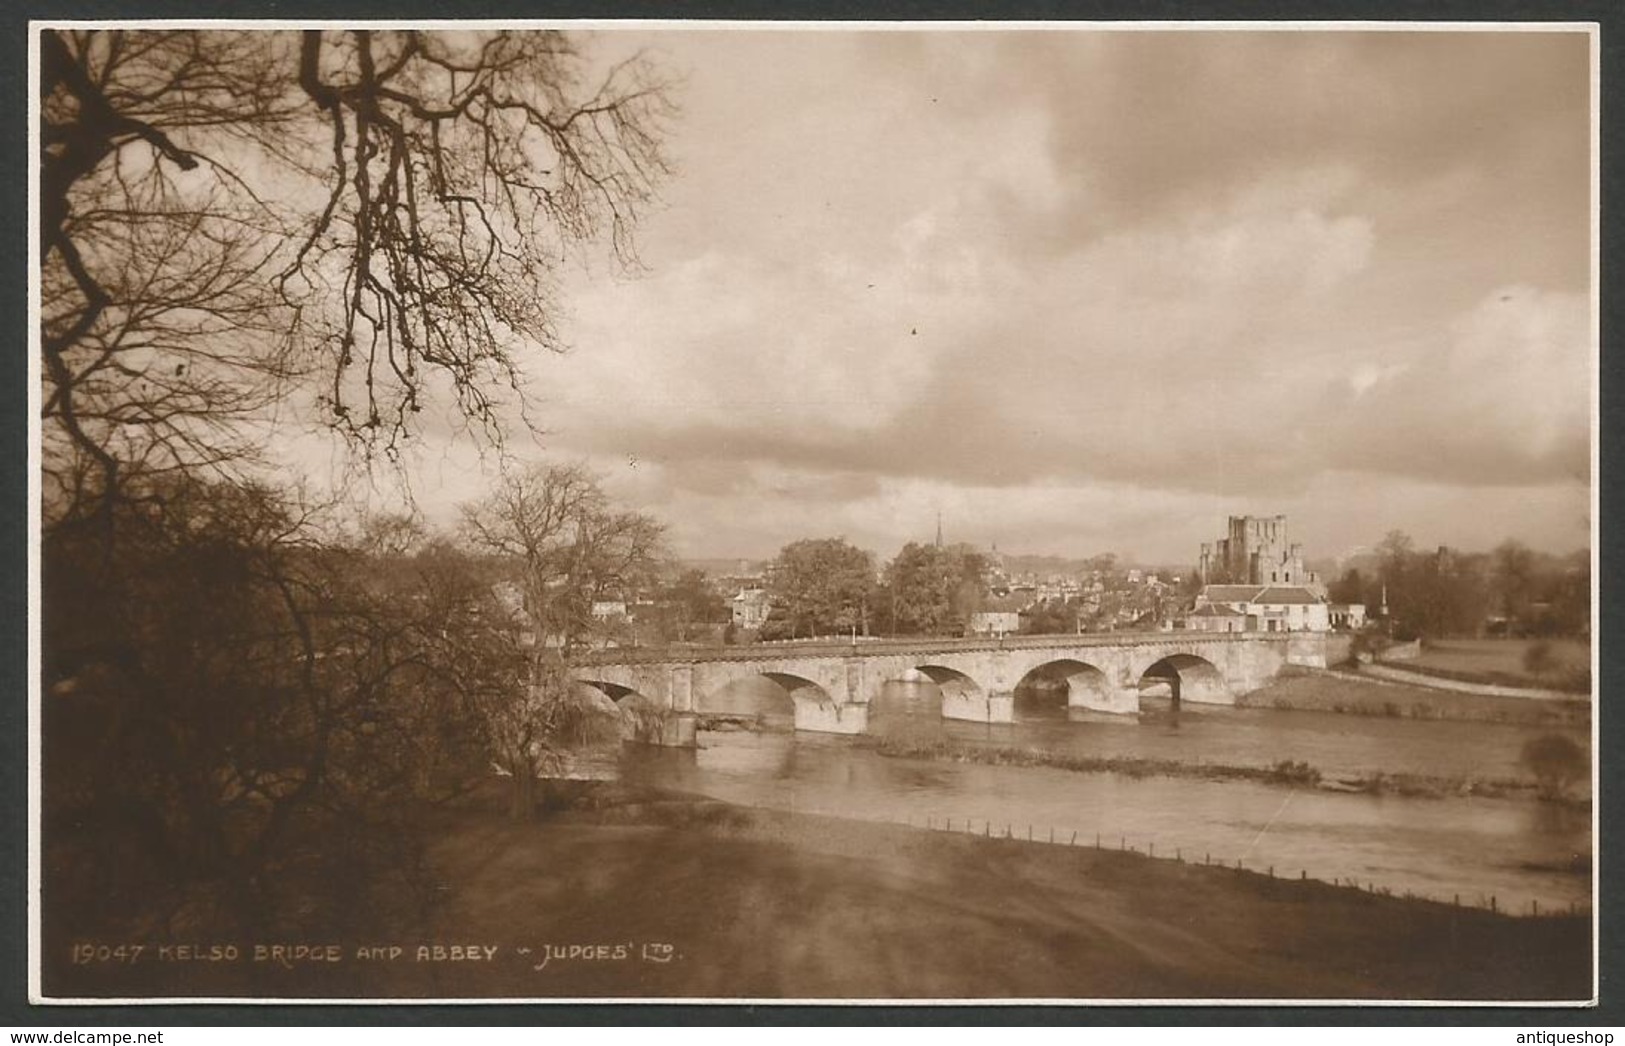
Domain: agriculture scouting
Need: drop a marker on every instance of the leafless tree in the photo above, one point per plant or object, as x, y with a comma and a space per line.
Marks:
569, 544
371, 218
568, 547
160, 329
458, 168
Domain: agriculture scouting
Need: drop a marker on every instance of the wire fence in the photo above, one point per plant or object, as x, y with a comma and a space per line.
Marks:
1146, 848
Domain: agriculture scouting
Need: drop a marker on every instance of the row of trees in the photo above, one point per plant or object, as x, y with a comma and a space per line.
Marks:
684, 608
1450, 593
827, 586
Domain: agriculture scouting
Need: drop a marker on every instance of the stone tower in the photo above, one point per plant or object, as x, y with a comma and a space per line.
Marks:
1256, 551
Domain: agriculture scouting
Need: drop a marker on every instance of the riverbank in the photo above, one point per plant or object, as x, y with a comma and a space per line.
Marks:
1349, 693
649, 895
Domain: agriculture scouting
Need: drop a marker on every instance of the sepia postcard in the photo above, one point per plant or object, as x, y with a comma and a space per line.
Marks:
755, 512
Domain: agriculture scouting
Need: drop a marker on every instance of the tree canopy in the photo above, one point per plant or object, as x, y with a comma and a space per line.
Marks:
1445, 592
555, 535
932, 591
569, 545
820, 587
686, 603
350, 222
238, 719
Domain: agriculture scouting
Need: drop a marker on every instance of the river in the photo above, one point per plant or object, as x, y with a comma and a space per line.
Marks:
1516, 850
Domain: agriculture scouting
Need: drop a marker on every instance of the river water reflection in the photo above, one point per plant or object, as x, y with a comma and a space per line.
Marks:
1517, 850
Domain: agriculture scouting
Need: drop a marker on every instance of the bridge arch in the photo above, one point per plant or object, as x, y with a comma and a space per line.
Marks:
1052, 689
953, 683
640, 715
616, 692
1185, 677
773, 700
918, 696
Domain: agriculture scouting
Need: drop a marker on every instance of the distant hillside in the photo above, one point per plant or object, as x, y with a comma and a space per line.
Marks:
1062, 565
1044, 565
725, 567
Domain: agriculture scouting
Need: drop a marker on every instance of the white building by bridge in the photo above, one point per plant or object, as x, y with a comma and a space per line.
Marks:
1259, 608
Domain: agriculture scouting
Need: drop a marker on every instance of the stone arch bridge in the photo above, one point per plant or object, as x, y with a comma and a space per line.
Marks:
832, 684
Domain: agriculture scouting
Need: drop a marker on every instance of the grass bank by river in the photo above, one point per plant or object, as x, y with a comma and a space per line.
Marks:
652, 896
1350, 694
1505, 662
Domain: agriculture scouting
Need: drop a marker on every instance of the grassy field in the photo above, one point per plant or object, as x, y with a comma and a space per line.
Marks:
679, 898
1499, 661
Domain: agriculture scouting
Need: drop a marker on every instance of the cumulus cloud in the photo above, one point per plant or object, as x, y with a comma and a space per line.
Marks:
1068, 286
1157, 345
1502, 397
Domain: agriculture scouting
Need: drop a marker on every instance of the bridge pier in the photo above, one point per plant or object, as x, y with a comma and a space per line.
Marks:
1205, 692
678, 730
978, 707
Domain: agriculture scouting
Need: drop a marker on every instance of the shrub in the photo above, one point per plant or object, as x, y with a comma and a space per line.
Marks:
1557, 763
1538, 659
1366, 645
1289, 772
1576, 678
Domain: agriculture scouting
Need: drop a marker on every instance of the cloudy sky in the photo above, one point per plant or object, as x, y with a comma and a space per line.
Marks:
1083, 291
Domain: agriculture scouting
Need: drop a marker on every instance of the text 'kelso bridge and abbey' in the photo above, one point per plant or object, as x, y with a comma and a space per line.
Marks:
832, 687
